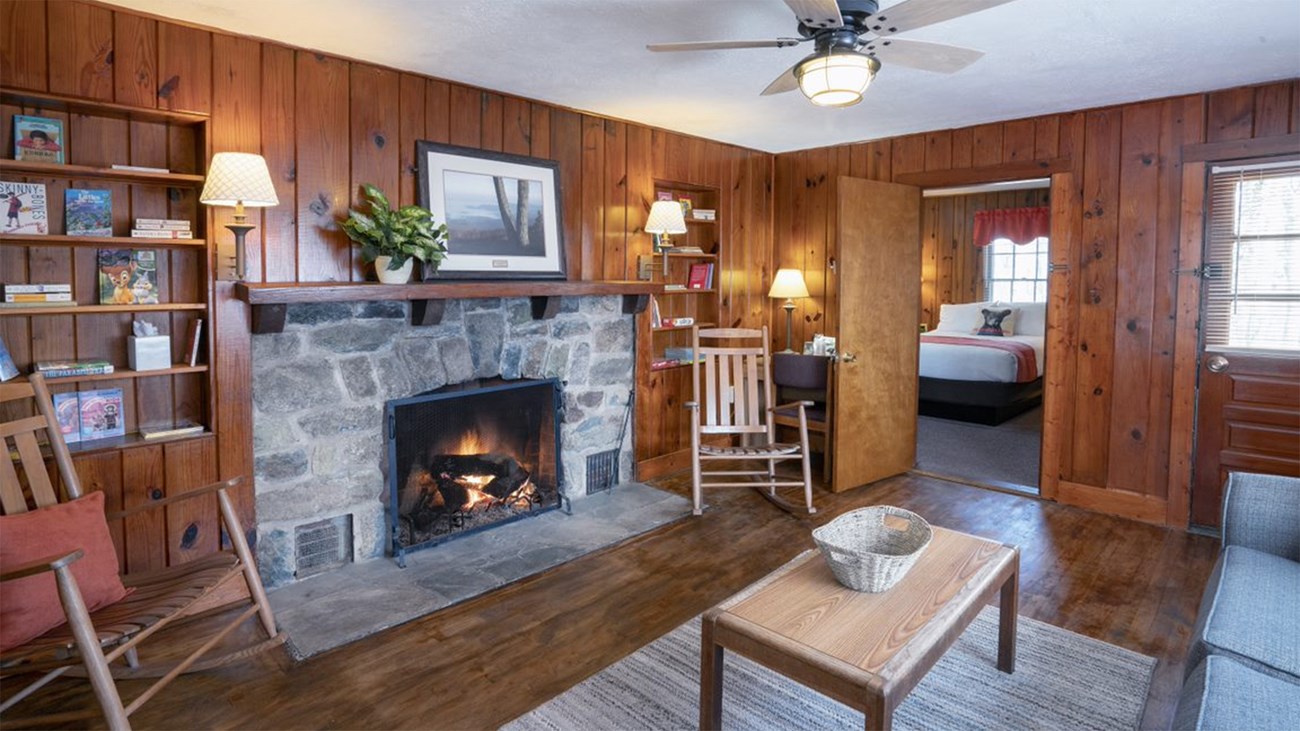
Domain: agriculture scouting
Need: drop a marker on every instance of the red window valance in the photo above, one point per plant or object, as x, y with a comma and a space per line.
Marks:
1021, 225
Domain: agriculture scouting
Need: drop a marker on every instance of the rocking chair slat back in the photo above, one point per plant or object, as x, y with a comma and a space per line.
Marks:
23, 434
730, 403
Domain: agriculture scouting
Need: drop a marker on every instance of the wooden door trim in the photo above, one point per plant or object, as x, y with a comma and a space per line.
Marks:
1059, 371
1025, 170
1233, 149
1187, 313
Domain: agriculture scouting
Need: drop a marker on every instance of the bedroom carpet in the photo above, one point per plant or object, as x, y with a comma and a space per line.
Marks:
1062, 681
1006, 454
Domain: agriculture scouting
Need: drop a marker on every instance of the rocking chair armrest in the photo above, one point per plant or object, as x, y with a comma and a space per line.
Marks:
694, 405
41, 565
214, 487
801, 404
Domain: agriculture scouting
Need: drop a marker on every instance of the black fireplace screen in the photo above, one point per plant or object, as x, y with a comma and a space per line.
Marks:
471, 456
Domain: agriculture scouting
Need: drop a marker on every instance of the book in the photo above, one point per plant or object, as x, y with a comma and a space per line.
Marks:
663, 195
88, 212
687, 250
704, 214
34, 288
101, 414
67, 411
8, 369
708, 280
162, 224
699, 276
14, 305
655, 317
140, 169
163, 432
38, 297
25, 209
38, 139
674, 287
128, 277
192, 342
66, 368
678, 321
150, 233
686, 207
659, 365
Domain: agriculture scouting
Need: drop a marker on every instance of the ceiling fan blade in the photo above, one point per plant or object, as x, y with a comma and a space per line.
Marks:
913, 14
783, 83
817, 13
937, 57
723, 45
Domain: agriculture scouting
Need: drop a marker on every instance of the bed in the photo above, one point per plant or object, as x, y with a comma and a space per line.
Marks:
985, 379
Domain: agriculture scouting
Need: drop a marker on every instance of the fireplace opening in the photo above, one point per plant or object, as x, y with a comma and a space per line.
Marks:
469, 457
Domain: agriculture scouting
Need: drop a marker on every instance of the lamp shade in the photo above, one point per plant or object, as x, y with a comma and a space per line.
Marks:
788, 284
236, 178
666, 218
836, 78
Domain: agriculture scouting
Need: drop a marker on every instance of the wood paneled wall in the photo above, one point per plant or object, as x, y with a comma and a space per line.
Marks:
1126, 166
327, 124
952, 269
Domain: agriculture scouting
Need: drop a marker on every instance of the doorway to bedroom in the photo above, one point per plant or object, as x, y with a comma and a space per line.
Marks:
983, 314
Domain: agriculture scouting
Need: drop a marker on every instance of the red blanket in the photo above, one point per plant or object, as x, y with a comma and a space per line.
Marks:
1026, 361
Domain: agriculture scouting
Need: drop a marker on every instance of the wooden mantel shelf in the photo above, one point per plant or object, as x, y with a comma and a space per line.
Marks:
428, 299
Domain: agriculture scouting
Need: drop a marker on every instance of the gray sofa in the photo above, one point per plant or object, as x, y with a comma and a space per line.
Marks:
1244, 662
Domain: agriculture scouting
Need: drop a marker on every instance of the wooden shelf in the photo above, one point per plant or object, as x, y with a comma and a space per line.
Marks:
685, 364
96, 241
686, 255
89, 171
689, 291
97, 309
700, 222
122, 373
130, 440
429, 298
73, 105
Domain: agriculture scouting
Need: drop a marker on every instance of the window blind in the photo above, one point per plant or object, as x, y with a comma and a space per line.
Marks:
1251, 291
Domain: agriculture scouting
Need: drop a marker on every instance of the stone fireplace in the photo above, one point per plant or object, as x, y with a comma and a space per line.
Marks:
320, 388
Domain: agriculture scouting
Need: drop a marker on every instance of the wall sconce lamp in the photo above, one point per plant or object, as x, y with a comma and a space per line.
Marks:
790, 285
238, 179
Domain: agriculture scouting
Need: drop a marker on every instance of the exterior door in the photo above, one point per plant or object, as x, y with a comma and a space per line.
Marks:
1248, 388
874, 434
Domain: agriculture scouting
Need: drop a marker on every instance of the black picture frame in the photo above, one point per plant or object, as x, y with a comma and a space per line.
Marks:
461, 185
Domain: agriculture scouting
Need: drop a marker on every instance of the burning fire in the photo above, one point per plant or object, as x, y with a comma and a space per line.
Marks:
470, 443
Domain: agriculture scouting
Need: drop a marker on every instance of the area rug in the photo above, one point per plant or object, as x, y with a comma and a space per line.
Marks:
1062, 681
1005, 454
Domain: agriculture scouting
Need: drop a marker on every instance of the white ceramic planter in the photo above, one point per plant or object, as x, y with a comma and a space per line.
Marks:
393, 276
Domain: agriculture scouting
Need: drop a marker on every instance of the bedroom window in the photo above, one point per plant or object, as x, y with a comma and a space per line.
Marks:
1252, 258
1016, 272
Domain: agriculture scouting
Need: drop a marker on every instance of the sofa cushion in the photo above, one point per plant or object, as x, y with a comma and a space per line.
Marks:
1223, 694
1251, 613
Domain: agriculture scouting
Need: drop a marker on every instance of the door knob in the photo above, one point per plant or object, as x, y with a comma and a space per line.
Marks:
1217, 364
848, 357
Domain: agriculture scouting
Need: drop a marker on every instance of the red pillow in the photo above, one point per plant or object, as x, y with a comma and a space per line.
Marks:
30, 607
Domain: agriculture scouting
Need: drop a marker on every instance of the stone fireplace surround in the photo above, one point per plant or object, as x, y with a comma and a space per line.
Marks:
319, 389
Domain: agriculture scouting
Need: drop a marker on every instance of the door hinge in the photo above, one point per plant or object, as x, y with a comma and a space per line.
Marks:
1202, 272
1053, 268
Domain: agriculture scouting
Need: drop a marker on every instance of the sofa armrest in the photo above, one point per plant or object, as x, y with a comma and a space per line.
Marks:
1262, 512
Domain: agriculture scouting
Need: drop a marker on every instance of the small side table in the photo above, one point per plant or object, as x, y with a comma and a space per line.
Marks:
865, 650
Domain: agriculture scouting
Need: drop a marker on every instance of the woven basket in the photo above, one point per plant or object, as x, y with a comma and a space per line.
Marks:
866, 554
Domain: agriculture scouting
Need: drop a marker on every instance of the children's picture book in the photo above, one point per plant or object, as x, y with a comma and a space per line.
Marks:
101, 414
38, 139
88, 212
7, 367
128, 277
67, 409
25, 209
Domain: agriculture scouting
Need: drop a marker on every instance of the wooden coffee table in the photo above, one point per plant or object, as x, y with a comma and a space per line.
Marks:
865, 650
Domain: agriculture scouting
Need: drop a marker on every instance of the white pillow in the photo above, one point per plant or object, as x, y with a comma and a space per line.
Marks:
963, 319
1031, 318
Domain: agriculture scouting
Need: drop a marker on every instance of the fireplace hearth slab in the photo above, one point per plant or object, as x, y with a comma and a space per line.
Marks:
330, 610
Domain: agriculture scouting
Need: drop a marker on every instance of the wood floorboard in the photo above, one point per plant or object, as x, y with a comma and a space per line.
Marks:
484, 662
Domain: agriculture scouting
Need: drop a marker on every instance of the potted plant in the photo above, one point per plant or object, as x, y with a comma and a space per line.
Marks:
394, 238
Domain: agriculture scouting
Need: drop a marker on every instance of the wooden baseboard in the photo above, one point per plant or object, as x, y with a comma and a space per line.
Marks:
664, 464
1133, 505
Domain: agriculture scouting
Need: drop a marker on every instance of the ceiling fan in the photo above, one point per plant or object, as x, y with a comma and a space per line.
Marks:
852, 39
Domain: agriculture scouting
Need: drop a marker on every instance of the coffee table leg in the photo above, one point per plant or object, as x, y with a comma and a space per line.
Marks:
879, 715
710, 678
1009, 610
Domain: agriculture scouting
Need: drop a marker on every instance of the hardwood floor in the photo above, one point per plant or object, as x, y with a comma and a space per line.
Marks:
484, 662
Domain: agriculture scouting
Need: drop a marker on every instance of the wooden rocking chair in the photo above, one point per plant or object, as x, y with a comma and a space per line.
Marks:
89, 643
731, 406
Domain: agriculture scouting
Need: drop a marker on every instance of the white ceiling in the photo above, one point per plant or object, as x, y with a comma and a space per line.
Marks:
1043, 56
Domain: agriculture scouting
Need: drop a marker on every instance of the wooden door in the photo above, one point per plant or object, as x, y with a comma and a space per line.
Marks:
874, 434
1248, 420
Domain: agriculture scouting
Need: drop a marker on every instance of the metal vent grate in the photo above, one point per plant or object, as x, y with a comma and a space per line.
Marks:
323, 545
602, 471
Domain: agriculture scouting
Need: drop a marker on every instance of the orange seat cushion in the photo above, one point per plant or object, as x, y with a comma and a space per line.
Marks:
30, 606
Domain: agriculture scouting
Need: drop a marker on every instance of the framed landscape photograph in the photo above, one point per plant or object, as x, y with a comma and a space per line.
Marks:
502, 212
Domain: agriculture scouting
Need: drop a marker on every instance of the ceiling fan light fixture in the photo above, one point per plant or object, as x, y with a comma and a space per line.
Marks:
836, 78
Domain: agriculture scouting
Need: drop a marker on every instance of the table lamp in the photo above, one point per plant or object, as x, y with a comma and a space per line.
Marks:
239, 179
788, 284
665, 219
